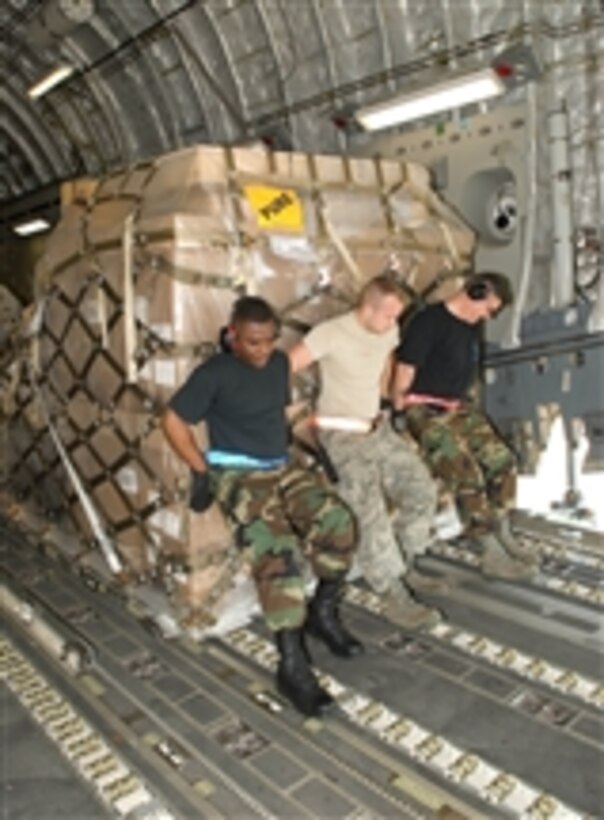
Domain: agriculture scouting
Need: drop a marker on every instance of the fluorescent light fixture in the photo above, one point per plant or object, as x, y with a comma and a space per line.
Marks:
453, 93
56, 76
31, 227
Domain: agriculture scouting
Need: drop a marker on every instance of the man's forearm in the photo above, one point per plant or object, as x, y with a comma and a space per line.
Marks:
181, 439
404, 375
300, 357
386, 380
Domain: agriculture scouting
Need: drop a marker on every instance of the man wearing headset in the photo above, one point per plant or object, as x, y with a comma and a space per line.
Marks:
436, 363
276, 508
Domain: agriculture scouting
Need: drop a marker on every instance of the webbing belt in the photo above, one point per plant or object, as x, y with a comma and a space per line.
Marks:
241, 461
344, 424
434, 401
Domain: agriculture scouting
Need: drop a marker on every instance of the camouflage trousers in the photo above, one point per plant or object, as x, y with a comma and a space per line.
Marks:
467, 454
392, 494
276, 514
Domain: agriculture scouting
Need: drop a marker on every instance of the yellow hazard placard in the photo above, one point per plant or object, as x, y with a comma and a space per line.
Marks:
276, 208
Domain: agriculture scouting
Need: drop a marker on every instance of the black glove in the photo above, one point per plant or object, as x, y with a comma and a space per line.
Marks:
201, 494
398, 421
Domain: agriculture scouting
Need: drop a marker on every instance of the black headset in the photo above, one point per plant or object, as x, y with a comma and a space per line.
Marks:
478, 289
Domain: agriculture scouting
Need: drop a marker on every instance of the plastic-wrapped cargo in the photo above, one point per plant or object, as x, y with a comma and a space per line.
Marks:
133, 289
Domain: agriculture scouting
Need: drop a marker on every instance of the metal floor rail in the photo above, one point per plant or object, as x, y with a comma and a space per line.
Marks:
495, 713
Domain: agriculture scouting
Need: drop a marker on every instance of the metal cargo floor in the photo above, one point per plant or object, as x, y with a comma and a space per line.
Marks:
496, 713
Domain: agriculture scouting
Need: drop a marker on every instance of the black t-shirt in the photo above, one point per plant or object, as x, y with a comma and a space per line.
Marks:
243, 406
443, 349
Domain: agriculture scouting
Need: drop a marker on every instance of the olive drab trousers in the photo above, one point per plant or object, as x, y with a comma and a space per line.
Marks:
277, 513
468, 455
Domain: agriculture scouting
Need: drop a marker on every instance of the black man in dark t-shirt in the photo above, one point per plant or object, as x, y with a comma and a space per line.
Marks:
275, 507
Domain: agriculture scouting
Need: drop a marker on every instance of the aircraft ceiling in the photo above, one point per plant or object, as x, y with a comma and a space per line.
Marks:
156, 75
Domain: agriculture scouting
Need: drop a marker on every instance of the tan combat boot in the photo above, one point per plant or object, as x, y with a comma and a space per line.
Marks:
496, 563
400, 607
521, 552
420, 582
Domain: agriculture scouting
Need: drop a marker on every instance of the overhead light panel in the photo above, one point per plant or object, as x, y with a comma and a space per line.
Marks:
56, 76
452, 93
31, 227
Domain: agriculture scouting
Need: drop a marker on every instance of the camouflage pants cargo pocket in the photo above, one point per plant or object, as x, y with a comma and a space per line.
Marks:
464, 450
276, 513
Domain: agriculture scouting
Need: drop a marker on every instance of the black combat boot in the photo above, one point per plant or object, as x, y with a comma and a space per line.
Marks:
295, 678
323, 620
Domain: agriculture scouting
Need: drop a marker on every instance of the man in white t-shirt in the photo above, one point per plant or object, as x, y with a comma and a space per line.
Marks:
380, 475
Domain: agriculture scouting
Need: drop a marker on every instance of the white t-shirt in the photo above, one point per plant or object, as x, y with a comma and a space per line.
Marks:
351, 361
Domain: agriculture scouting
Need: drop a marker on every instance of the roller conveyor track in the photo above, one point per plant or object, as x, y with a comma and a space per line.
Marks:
498, 712
561, 573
